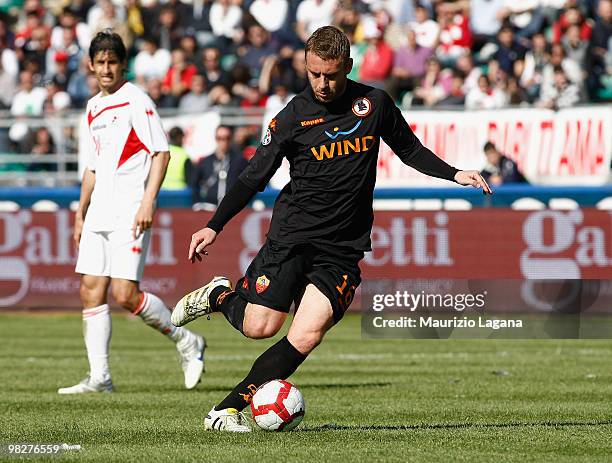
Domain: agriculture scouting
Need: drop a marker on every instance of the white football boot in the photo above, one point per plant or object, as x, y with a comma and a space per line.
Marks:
228, 419
88, 385
191, 352
196, 303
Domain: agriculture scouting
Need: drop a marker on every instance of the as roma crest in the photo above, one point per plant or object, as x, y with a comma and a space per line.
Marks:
262, 284
362, 107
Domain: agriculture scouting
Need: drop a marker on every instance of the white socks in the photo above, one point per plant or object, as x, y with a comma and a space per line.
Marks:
97, 330
154, 313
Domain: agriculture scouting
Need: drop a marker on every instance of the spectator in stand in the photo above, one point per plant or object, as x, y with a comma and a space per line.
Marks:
178, 79
516, 94
110, 19
295, 77
162, 100
34, 47
456, 96
499, 168
189, 45
312, 14
524, 16
57, 101
77, 84
151, 62
485, 21
214, 175
435, 86
571, 69
195, 101
455, 37
261, 12
43, 145
471, 73
485, 96
68, 20
168, 29
575, 47
257, 49
211, 68
599, 46
378, 58
563, 94
536, 60
225, 20
29, 100
61, 74
509, 51
425, 28
571, 17
278, 100
8, 88
409, 66
179, 167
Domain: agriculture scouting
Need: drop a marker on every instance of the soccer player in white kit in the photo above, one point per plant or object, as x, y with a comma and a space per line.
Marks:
127, 163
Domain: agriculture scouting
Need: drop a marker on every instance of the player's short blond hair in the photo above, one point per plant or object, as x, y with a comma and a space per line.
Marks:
329, 43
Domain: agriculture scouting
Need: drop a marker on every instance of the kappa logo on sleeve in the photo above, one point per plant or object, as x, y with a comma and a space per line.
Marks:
362, 107
312, 122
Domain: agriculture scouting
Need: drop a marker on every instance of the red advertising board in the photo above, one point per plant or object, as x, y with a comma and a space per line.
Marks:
37, 255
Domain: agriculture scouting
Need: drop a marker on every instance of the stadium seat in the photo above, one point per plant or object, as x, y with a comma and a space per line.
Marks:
9, 206
605, 204
528, 204
197, 207
393, 204
74, 205
457, 204
430, 204
45, 205
563, 204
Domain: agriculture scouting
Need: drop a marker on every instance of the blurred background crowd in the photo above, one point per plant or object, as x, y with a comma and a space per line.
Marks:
477, 54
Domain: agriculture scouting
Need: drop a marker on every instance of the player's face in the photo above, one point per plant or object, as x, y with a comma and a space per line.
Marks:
327, 77
108, 70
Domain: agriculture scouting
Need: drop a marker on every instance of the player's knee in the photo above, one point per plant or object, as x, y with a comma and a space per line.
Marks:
261, 329
124, 296
90, 297
306, 342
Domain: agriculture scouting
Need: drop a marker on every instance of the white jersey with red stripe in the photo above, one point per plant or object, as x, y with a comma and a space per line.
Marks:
125, 132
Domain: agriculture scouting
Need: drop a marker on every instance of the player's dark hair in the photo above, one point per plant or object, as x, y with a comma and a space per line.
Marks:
489, 147
329, 43
107, 40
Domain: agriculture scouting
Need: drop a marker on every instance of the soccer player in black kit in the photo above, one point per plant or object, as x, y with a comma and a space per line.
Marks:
321, 222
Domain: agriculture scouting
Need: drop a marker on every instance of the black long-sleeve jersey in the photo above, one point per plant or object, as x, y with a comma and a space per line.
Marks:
332, 151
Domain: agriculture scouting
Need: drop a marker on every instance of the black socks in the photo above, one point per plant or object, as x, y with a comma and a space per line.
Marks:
230, 304
278, 362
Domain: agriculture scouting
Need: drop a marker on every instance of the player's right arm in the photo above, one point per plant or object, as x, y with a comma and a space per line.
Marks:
87, 185
253, 178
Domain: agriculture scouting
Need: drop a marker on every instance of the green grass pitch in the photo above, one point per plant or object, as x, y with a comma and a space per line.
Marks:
372, 400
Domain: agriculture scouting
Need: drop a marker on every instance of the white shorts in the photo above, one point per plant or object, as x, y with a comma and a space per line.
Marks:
113, 254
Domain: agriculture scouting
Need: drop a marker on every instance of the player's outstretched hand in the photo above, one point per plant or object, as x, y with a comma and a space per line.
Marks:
473, 177
199, 241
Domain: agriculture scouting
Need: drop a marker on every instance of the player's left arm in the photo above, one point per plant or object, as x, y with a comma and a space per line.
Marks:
148, 128
401, 139
144, 216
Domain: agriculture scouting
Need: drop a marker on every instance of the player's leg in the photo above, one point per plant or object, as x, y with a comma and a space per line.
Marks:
259, 304
313, 319
92, 264
127, 267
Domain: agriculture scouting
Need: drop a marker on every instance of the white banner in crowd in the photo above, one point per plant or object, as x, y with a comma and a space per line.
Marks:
567, 147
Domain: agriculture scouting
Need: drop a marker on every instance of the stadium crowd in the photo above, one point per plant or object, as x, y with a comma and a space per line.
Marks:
249, 53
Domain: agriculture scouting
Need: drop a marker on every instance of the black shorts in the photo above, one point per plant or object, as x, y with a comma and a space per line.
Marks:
280, 273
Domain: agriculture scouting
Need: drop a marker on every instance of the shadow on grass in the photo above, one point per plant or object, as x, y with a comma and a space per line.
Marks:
408, 427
